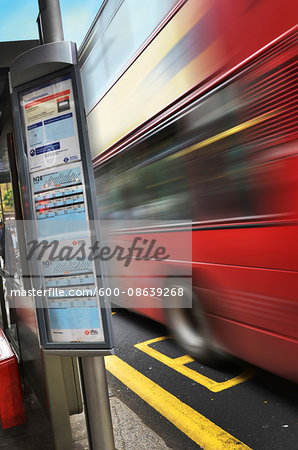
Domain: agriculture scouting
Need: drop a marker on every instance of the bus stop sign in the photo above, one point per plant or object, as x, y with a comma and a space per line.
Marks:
59, 204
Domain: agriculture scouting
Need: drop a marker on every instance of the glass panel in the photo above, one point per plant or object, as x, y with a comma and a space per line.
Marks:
108, 50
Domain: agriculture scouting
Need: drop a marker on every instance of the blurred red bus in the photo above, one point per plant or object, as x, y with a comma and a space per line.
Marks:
197, 120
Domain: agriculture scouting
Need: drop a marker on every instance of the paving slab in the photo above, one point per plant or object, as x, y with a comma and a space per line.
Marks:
130, 432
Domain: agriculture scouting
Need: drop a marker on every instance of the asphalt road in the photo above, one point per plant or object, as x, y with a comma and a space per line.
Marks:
192, 406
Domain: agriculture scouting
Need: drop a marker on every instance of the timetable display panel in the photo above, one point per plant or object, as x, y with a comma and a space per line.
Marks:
73, 309
50, 124
70, 284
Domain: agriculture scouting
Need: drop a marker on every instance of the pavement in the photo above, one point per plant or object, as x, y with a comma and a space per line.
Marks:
130, 432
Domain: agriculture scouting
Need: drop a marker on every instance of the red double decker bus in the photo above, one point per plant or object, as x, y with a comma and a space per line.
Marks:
194, 117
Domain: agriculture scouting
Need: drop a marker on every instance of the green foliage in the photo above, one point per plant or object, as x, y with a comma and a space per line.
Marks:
8, 198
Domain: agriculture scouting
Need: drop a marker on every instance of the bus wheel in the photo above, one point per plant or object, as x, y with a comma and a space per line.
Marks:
188, 325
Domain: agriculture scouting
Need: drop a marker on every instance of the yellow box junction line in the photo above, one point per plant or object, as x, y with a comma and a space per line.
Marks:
197, 427
178, 364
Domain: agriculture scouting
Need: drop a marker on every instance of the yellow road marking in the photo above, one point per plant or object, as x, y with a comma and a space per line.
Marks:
178, 364
197, 427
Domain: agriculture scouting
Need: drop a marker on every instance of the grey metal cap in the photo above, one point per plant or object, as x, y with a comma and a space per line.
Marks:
42, 60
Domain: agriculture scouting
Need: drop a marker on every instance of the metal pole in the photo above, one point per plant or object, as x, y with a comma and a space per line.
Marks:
92, 369
97, 406
2, 210
50, 24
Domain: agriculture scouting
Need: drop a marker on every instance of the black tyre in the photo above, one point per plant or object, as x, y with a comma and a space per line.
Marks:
189, 327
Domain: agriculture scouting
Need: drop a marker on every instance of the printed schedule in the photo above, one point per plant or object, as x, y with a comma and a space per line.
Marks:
60, 210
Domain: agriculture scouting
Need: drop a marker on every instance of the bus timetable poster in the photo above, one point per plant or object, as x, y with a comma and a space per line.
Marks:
50, 124
60, 210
